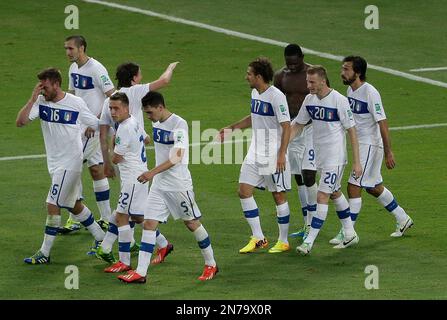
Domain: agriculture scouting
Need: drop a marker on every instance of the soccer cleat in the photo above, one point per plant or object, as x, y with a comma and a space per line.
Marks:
132, 277
306, 233
279, 247
70, 226
117, 267
298, 234
400, 229
304, 248
347, 242
107, 257
103, 224
254, 244
338, 238
162, 253
135, 248
94, 248
37, 258
209, 272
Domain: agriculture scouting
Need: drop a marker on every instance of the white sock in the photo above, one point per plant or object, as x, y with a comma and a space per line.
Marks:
85, 217
317, 222
124, 237
302, 194
342, 208
251, 213
161, 240
111, 234
389, 202
283, 214
102, 193
146, 249
51, 227
355, 204
205, 245
311, 202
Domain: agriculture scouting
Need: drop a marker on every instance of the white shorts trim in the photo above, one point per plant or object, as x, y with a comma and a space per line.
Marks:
276, 182
65, 188
371, 158
178, 204
330, 179
133, 199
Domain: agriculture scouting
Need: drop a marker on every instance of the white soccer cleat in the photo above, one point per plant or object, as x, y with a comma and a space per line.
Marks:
347, 242
338, 238
304, 248
400, 229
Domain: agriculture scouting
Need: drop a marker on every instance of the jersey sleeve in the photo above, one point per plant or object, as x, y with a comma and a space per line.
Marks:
181, 140
104, 80
345, 113
86, 117
281, 108
34, 113
139, 91
106, 118
375, 106
303, 116
70, 80
121, 142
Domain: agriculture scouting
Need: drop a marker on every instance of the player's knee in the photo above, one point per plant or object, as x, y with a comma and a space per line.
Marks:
137, 219
150, 225
244, 194
192, 225
309, 178
299, 179
97, 172
376, 191
279, 197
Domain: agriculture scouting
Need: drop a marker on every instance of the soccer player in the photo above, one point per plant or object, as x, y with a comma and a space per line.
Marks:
291, 80
331, 116
89, 80
130, 156
61, 115
129, 77
171, 192
266, 164
374, 141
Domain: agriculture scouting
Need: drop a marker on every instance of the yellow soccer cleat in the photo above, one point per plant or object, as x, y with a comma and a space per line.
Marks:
254, 244
279, 247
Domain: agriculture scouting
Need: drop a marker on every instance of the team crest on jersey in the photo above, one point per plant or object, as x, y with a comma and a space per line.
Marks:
67, 116
117, 140
378, 108
282, 108
105, 80
84, 83
330, 115
265, 107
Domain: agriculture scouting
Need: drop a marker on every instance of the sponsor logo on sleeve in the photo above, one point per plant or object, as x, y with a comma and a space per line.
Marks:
105, 80
378, 108
117, 140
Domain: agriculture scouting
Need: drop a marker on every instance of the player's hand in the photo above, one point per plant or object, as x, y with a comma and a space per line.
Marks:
172, 66
357, 171
281, 163
147, 140
109, 171
89, 132
145, 177
389, 160
36, 91
224, 132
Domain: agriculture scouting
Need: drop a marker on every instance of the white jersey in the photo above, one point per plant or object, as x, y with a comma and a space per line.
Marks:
134, 94
167, 135
129, 143
367, 107
330, 117
61, 128
90, 82
268, 110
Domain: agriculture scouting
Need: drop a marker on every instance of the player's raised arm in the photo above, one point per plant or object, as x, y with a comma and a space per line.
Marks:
356, 166
164, 79
23, 115
389, 156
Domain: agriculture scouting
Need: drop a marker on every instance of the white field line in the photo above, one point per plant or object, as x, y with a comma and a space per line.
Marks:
261, 39
422, 126
428, 69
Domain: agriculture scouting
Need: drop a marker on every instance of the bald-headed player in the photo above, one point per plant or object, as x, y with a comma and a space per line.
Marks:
291, 80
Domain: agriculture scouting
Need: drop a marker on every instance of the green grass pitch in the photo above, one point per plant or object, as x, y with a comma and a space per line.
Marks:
209, 86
